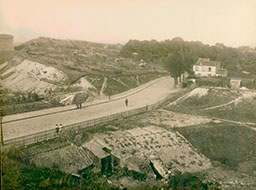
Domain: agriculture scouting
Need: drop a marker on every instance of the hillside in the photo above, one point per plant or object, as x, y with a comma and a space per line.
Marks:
236, 151
236, 105
57, 69
75, 59
227, 139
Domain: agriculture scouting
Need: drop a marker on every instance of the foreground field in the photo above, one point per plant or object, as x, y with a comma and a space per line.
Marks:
232, 150
231, 145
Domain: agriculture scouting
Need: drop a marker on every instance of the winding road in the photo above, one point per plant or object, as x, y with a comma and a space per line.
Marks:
33, 122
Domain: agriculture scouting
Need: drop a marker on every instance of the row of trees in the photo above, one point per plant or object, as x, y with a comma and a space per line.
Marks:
178, 55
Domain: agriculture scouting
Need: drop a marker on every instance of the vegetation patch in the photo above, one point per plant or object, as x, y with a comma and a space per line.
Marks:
229, 144
243, 111
238, 105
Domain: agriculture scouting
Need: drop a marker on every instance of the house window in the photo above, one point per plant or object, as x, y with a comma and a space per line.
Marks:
196, 68
203, 69
209, 69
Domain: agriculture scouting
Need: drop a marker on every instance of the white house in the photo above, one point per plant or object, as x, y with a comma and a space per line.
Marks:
205, 67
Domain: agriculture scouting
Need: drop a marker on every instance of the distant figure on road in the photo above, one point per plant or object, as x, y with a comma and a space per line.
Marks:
57, 129
126, 102
60, 128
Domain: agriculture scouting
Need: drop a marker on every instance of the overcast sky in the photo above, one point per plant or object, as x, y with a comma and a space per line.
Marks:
232, 22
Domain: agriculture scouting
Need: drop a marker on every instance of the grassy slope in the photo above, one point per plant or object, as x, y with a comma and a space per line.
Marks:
78, 59
81, 58
243, 111
212, 98
231, 145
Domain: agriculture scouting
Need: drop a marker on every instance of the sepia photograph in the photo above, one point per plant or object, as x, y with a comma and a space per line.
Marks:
128, 94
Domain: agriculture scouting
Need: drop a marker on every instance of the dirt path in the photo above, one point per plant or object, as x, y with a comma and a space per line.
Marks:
245, 124
198, 119
226, 104
150, 94
104, 86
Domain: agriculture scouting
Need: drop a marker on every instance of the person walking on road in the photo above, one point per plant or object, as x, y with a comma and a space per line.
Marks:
57, 129
60, 128
126, 102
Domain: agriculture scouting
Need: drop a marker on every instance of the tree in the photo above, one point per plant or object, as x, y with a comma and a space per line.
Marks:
79, 99
175, 64
186, 181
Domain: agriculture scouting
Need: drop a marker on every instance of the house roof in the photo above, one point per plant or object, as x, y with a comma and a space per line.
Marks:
96, 149
207, 62
69, 159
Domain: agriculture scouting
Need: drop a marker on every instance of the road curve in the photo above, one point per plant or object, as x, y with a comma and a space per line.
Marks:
25, 124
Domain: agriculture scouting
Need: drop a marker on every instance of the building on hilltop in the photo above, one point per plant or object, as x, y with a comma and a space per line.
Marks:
206, 67
6, 42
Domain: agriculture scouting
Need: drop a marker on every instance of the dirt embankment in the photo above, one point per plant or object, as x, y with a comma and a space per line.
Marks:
30, 76
238, 105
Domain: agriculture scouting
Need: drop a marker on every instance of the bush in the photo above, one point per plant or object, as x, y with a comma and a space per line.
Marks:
187, 181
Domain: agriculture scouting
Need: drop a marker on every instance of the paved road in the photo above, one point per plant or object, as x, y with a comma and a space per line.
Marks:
155, 91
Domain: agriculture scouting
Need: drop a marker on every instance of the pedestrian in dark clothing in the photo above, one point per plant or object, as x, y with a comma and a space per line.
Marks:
57, 129
126, 102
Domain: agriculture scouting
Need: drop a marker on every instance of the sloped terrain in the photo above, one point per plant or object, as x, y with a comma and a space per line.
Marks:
169, 119
38, 59
227, 145
55, 70
29, 76
238, 105
229, 142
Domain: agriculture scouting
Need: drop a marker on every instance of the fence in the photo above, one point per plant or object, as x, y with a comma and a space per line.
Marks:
50, 134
